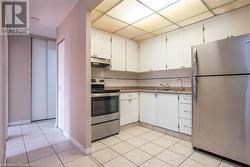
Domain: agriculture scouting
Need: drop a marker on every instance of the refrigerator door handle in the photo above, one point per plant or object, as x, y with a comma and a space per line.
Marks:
195, 73
194, 87
195, 62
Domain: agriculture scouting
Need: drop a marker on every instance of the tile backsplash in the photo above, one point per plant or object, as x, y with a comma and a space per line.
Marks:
175, 78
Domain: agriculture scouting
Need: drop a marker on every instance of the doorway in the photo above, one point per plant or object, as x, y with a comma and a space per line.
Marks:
44, 76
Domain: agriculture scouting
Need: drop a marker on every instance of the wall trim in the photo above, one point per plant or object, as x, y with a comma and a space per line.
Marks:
85, 151
19, 122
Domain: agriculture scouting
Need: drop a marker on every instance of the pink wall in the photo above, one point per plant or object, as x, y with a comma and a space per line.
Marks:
19, 78
75, 30
3, 55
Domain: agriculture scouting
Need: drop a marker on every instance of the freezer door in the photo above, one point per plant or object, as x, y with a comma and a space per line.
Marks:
221, 116
229, 56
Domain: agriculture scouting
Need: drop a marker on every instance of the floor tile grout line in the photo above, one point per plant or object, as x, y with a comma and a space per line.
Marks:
26, 152
51, 146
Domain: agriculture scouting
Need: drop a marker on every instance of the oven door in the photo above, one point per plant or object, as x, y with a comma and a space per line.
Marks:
104, 104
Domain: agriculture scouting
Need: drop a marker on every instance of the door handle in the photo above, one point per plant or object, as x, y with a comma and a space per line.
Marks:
194, 73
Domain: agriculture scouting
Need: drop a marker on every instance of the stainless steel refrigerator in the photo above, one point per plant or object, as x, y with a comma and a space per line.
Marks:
221, 98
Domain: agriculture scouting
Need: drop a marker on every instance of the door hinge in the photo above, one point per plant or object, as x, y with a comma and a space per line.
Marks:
179, 126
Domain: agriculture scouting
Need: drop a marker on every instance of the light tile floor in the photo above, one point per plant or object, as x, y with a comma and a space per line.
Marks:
41, 144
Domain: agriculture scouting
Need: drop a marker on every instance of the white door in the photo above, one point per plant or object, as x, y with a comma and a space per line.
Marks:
125, 111
159, 53
118, 53
61, 74
134, 104
100, 44
145, 56
174, 50
167, 111
39, 79
52, 79
132, 56
191, 36
148, 108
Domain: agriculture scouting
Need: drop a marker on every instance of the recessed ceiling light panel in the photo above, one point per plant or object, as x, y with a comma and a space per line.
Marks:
130, 11
158, 4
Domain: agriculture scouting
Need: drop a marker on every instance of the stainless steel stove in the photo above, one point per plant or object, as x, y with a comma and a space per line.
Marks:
105, 110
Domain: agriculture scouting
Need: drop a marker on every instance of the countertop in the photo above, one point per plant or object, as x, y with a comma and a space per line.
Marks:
174, 90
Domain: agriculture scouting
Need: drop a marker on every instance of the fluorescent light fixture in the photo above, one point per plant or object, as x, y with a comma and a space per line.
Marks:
157, 4
130, 11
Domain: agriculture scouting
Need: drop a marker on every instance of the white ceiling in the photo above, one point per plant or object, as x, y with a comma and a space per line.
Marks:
51, 13
143, 19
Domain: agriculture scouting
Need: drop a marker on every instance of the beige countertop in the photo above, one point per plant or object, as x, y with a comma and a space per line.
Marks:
174, 90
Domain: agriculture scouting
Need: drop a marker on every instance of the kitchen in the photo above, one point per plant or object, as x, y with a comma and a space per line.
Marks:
144, 83
148, 57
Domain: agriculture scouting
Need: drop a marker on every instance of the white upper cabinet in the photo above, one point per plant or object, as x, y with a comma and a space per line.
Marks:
145, 56
132, 56
100, 44
167, 111
153, 54
191, 36
118, 53
148, 108
159, 53
217, 30
175, 49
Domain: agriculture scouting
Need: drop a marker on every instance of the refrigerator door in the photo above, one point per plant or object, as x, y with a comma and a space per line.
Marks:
221, 116
229, 56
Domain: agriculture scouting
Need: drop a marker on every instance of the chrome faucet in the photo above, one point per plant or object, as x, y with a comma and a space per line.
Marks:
167, 86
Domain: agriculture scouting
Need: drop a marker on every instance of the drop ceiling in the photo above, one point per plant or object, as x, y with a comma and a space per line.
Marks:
143, 19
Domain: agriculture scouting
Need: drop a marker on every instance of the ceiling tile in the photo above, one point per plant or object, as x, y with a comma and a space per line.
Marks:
130, 32
165, 29
183, 9
144, 37
195, 19
107, 5
95, 14
152, 23
108, 23
158, 4
231, 6
130, 11
215, 3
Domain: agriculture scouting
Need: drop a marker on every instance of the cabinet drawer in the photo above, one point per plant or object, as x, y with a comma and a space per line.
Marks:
186, 126
185, 111
126, 96
186, 99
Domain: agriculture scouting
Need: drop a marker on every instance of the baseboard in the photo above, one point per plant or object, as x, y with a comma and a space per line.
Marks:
85, 151
19, 122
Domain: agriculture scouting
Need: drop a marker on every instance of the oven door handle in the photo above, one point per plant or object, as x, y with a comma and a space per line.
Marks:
104, 94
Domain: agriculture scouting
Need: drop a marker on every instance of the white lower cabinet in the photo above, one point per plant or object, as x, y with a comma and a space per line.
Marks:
186, 126
185, 114
129, 108
167, 111
148, 108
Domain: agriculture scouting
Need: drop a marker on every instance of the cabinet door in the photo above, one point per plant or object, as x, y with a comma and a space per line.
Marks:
132, 56
217, 30
118, 53
145, 56
191, 36
167, 111
159, 53
100, 44
124, 112
134, 116
148, 108
175, 50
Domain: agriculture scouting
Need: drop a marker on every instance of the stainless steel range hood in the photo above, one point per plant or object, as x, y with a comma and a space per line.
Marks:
100, 62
